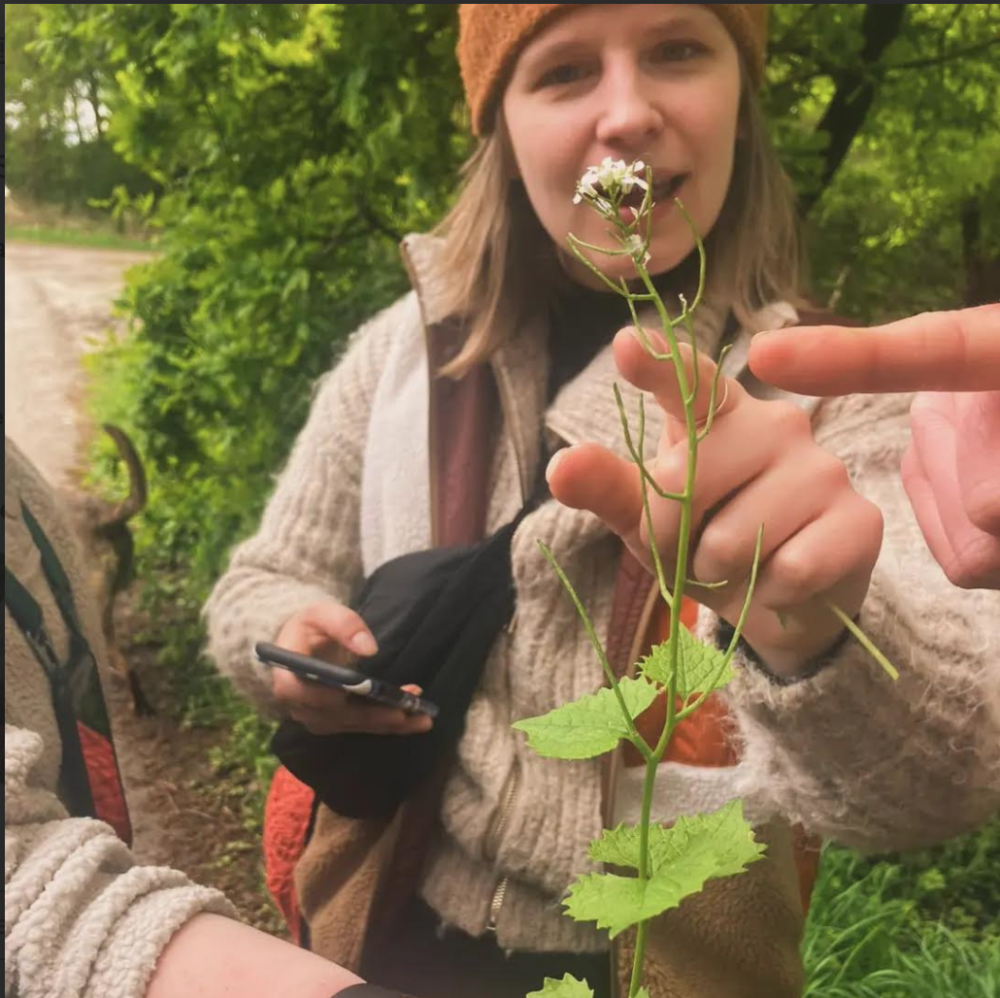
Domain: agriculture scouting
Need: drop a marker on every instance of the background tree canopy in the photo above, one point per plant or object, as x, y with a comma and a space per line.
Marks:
291, 145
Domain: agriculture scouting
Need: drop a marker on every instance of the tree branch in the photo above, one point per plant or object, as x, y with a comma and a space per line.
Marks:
855, 91
826, 69
938, 60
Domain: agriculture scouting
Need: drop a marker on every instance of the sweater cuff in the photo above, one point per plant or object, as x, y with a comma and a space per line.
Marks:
747, 656
258, 614
129, 953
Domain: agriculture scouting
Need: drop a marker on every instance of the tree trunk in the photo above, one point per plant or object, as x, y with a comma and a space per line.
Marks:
76, 115
94, 96
982, 273
855, 91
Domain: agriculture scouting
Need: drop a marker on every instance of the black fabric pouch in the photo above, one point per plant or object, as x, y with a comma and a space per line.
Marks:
436, 615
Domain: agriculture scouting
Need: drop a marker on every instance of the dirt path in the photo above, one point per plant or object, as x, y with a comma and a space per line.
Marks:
57, 300
57, 303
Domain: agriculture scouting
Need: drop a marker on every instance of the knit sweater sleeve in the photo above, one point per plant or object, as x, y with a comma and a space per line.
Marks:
307, 548
852, 755
81, 917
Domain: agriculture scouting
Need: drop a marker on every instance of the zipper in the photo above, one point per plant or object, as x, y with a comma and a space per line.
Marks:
491, 845
508, 795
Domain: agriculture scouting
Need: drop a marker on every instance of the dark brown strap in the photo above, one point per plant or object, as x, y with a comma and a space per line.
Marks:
632, 585
461, 418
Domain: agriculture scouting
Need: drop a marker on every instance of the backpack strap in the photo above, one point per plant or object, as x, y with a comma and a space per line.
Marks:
74, 783
77, 697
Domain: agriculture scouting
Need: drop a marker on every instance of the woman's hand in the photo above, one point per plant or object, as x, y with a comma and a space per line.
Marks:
759, 465
331, 631
951, 472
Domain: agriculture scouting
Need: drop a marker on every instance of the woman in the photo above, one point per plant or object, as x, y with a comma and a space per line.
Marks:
810, 732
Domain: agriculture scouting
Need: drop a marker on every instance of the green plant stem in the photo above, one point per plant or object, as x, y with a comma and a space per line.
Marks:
863, 640
635, 453
713, 394
737, 632
680, 578
634, 735
653, 755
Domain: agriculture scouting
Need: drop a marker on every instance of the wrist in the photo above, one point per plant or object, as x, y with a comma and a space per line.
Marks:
784, 667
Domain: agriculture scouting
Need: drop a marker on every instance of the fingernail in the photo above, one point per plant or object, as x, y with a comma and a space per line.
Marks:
764, 335
363, 643
554, 462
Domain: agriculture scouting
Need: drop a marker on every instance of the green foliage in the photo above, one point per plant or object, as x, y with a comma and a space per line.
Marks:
924, 924
568, 987
589, 726
295, 144
72, 237
682, 859
895, 231
700, 668
54, 129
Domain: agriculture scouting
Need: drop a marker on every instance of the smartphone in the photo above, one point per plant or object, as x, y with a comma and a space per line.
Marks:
341, 678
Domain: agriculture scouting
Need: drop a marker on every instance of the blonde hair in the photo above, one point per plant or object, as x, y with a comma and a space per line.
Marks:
497, 260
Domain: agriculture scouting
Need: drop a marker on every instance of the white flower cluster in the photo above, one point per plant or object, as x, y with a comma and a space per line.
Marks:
610, 182
604, 187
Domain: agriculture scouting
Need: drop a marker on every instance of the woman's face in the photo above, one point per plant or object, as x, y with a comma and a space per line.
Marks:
657, 82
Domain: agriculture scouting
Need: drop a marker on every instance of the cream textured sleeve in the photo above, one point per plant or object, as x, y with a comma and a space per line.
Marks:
308, 547
855, 757
81, 918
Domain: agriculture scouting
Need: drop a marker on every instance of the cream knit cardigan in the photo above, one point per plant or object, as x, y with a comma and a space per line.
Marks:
849, 754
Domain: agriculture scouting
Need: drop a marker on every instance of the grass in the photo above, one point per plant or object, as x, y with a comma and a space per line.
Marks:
920, 926
55, 236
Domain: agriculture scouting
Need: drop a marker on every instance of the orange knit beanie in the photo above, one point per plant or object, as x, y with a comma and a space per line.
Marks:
491, 36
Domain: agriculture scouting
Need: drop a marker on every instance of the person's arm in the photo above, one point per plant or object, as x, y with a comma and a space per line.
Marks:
872, 763
307, 549
213, 957
935, 351
828, 738
83, 919
950, 467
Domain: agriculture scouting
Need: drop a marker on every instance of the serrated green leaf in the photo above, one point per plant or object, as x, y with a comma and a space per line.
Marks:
620, 846
568, 987
698, 666
681, 860
589, 726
